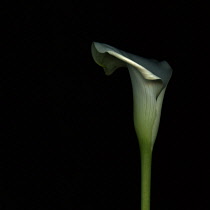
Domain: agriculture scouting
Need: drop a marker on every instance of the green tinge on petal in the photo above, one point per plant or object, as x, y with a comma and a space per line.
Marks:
144, 105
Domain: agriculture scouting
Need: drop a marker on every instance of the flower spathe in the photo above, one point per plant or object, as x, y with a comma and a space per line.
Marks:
149, 81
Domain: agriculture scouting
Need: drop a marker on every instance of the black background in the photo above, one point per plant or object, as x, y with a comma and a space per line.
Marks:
68, 140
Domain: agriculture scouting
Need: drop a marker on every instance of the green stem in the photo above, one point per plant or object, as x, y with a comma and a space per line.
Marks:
146, 162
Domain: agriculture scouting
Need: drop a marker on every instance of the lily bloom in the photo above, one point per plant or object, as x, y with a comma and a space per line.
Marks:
149, 81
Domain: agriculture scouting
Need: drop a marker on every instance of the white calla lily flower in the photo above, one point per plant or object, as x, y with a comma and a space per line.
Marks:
149, 81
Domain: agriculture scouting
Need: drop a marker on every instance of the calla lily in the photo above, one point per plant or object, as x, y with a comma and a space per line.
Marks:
149, 81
